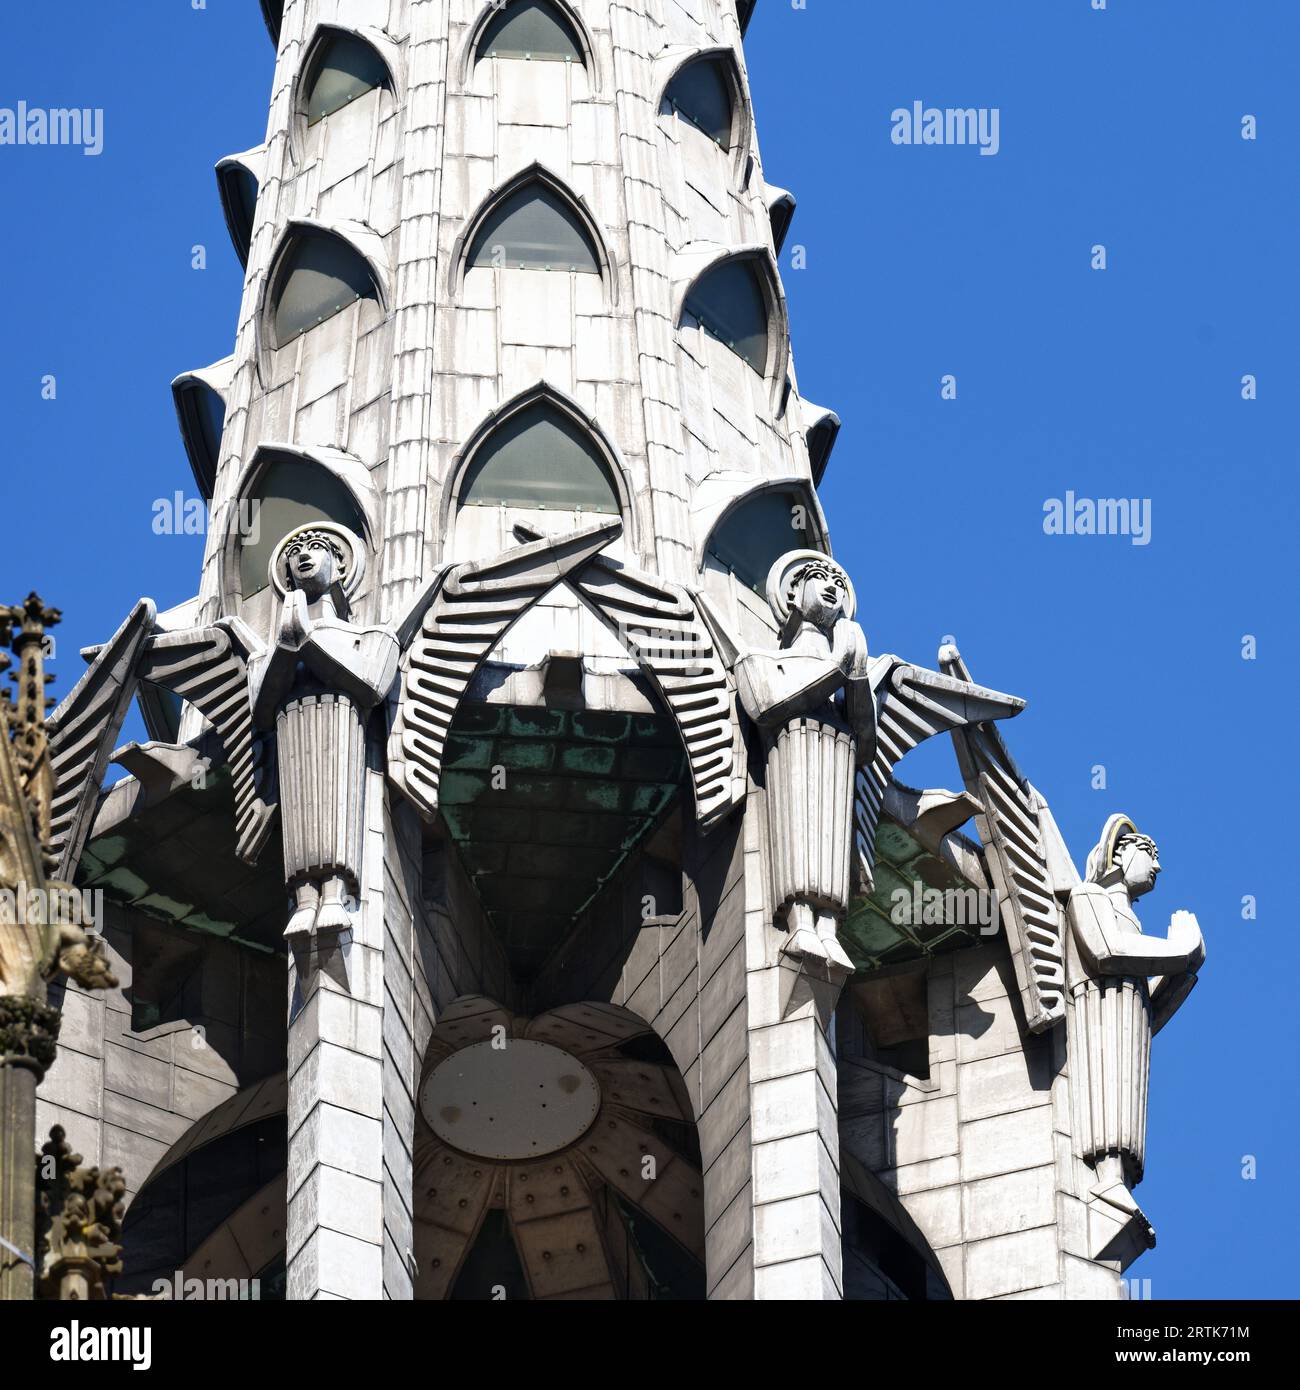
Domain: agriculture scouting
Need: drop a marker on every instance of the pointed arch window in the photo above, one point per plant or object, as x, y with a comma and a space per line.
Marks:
346, 69
540, 458
531, 29
730, 306
321, 276
290, 493
759, 531
702, 94
534, 229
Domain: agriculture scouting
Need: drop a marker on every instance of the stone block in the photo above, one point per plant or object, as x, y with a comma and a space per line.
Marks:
1009, 1203
1006, 1143
1008, 1264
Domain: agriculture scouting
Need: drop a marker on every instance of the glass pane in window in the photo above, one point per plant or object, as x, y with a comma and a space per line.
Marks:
534, 229
348, 69
729, 304
530, 29
540, 458
755, 536
701, 94
322, 276
292, 492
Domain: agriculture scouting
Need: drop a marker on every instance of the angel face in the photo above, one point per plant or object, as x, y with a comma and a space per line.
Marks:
312, 565
822, 595
1139, 860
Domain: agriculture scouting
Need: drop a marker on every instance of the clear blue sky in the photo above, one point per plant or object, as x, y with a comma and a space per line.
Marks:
1119, 127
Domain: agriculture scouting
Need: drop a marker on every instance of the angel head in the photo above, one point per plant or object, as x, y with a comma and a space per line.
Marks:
314, 561
1124, 855
812, 585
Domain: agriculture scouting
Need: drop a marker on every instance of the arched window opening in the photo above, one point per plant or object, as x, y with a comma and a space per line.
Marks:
273, 14
701, 93
780, 212
238, 188
531, 29
759, 531
321, 275
202, 414
534, 229
730, 306
539, 458
347, 68
880, 1266
821, 443
290, 493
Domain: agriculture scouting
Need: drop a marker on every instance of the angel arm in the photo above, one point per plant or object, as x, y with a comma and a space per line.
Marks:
362, 662
1111, 948
774, 688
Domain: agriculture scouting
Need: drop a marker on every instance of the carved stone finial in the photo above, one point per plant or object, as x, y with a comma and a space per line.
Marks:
24, 627
80, 1223
29, 1032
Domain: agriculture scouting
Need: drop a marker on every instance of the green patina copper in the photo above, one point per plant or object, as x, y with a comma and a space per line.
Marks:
546, 806
175, 862
872, 936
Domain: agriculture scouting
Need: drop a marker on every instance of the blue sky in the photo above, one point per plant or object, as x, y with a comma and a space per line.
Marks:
1119, 127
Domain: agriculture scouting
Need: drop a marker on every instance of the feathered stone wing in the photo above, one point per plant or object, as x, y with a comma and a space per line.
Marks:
912, 705
83, 730
1026, 861
453, 627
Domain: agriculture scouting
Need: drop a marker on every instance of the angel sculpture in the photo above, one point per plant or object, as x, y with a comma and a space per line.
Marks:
812, 699
315, 685
835, 722
1080, 954
1124, 986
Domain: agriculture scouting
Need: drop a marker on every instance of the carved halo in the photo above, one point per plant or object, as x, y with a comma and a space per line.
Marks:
784, 576
1102, 859
349, 550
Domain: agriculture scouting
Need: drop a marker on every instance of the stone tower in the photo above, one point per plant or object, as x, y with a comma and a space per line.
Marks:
515, 897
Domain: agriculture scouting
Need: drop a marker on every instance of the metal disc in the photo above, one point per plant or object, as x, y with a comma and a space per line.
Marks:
521, 1100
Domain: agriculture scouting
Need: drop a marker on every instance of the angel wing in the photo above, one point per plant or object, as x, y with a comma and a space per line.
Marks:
661, 625
912, 705
1027, 861
208, 666
83, 730
452, 627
